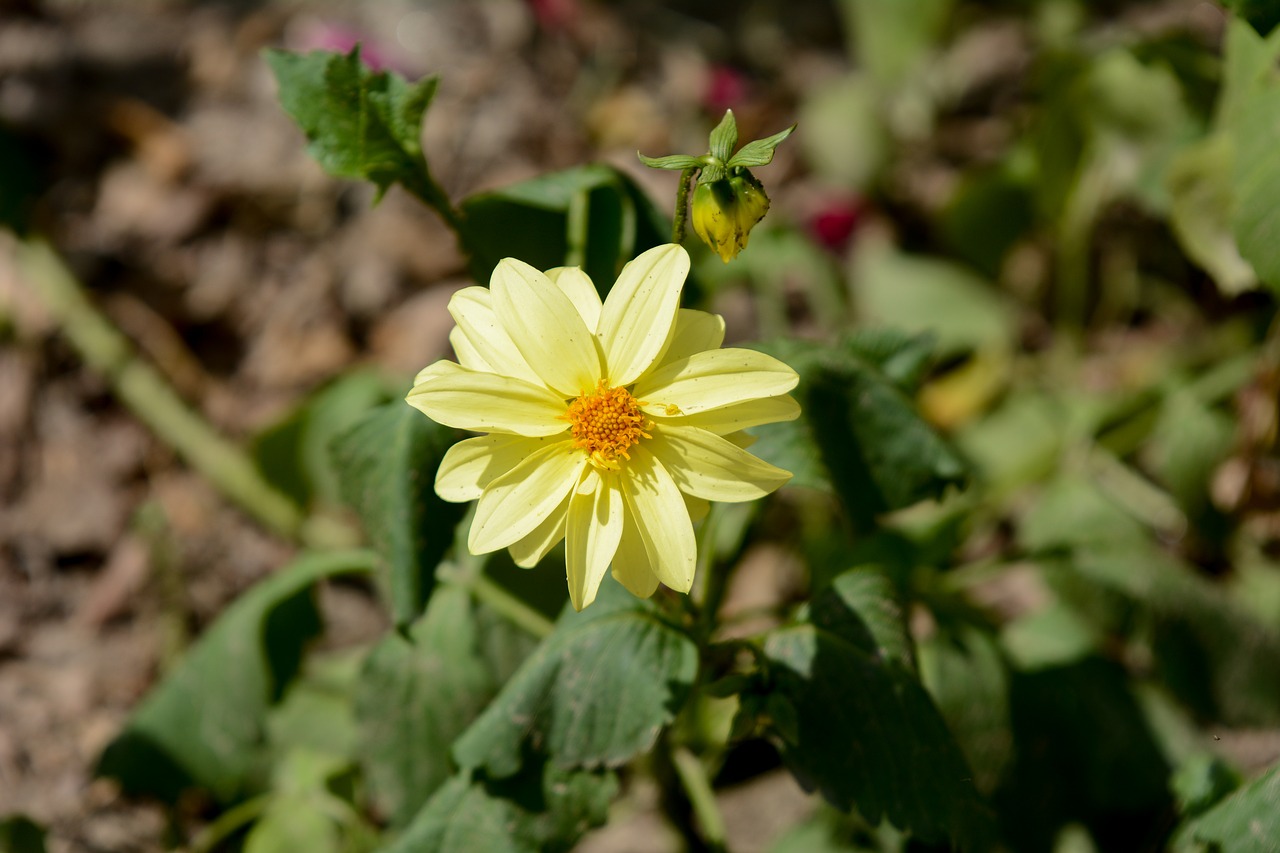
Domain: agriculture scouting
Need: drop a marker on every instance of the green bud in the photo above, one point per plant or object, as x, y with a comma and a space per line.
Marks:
725, 211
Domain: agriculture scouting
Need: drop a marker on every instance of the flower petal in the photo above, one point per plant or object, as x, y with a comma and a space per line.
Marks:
695, 331
577, 285
631, 562
707, 466
545, 327
473, 463
530, 550
515, 504
635, 324
468, 355
656, 505
486, 402
739, 416
472, 309
593, 527
710, 380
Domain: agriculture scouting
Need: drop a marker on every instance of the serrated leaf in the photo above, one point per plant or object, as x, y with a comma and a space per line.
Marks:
468, 815
868, 736
874, 449
1248, 821
387, 464
415, 695
724, 137
595, 693
862, 607
360, 124
204, 724
759, 152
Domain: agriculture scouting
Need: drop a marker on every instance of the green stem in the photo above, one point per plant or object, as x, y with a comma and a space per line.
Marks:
228, 823
715, 578
697, 787
682, 206
506, 604
145, 392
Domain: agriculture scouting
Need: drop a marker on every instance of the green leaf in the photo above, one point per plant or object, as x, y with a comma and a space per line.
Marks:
1262, 15
591, 216
595, 693
547, 812
417, 693
1200, 189
724, 137
1245, 822
673, 162
845, 140
868, 736
969, 681
759, 152
19, 834
204, 724
360, 124
1252, 116
862, 607
874, 450
294, 453
387, 463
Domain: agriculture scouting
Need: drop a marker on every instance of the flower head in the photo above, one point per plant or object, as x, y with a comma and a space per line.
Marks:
606, 425
725, 211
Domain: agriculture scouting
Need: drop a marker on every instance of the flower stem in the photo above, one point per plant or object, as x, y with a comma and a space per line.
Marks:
697, 787
682, 206
229, 822
145, 392
506, 604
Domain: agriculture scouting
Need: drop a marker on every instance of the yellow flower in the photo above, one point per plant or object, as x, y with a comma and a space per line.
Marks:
608, 425
725, 211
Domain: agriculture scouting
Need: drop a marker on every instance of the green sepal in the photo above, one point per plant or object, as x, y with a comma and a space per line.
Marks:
759, 152
724, 137
674, 162
712, 172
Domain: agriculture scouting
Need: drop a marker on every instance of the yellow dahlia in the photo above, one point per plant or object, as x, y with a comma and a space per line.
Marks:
608, 425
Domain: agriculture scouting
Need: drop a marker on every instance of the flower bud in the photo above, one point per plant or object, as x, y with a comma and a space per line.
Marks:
725, 211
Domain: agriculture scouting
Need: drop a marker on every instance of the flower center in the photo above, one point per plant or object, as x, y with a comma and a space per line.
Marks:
605, 423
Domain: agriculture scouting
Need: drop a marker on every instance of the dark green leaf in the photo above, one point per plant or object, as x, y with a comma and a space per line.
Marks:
204, 724
876, 452
595, 693
969, 681
862, 607
415, 696
1262, 15
1083, 752
867, 736
387, 463
591, 216
18, 834
547, 813
1248, 821
361, 124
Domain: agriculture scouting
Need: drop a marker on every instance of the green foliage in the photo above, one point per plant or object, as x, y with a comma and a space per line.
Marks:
360, 124
589, 216
596, 693
387, 464
865, 732
19, 834
204, 724
547, 809
860, 435
416, 694
1245, 822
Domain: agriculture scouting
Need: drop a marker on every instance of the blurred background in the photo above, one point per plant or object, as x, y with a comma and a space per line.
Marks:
1036, 183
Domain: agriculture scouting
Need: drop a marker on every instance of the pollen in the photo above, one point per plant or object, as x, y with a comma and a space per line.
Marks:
606, 423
